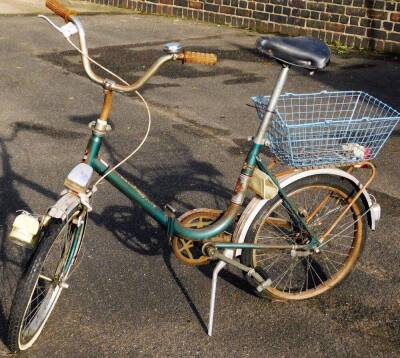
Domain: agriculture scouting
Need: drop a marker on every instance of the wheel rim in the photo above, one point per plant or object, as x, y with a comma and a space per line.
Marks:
36, 315
54, 272
304, 277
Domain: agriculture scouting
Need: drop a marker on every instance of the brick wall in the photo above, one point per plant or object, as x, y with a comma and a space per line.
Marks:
368, 24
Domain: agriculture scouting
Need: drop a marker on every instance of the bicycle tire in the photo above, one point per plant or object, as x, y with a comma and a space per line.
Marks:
31, 309
268, 225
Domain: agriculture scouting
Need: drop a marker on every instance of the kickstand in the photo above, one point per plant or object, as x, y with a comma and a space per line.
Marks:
217, 269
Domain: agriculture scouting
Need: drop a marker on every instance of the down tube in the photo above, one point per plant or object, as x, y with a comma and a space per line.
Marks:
131, 192
158, 214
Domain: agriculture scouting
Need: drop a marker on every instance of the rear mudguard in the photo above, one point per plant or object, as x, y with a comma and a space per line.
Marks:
257, 203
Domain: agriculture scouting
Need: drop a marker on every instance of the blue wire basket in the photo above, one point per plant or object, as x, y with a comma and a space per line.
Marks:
327, 128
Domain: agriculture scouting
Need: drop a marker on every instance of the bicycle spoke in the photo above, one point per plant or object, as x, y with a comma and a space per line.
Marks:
334, 252
273, 262
314, 273
284, 274
320, 279
46, 278
264, 258
291, 274
331, 262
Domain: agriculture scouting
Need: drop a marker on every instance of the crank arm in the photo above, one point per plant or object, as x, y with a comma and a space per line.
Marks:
262, 283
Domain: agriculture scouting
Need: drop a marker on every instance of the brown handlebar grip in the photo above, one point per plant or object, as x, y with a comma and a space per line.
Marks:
199, 58
60, 10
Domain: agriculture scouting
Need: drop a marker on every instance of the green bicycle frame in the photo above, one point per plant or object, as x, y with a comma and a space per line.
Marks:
168, 221
162, 217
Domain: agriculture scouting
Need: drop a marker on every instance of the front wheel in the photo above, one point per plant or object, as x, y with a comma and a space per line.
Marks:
297, 275
46, 276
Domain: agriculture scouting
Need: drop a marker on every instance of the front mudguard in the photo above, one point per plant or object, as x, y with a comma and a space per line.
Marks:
257, 203
64, 206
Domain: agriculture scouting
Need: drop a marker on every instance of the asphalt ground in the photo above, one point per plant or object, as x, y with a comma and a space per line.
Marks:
129, 295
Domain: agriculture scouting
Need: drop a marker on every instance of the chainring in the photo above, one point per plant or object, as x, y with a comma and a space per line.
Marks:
189, 251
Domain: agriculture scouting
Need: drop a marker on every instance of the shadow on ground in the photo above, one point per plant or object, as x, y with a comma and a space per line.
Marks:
129, 224
13, 259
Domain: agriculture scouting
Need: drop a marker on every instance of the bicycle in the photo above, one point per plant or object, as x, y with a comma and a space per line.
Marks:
300, 234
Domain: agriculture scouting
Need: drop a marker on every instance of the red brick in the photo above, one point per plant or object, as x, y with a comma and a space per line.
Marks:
337, 9
315, 24
195, 4
355, 11
227, 9
394, 37
334, 27
301, 4
243, 12
376, 34
210, 7
377, 14
355, 30
395, 17
260, 15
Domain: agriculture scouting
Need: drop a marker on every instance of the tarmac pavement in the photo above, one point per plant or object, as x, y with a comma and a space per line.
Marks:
130, 296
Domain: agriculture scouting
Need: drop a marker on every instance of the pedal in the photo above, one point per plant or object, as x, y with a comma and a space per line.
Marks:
262, 286
64, 285
262, 282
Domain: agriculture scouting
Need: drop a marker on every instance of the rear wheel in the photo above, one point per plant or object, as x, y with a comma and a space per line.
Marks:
46, 276
303, 274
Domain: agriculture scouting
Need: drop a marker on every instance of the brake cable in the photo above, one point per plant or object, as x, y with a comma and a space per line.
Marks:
68, 30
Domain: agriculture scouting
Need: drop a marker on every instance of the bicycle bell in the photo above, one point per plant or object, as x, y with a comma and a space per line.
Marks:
173, 48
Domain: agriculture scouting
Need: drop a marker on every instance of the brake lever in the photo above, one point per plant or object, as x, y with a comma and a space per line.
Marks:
67, 30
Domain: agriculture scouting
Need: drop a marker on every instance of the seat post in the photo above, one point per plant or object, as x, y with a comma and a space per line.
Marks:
262, 129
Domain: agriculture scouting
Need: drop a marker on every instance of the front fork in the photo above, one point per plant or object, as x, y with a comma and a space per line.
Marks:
80, 222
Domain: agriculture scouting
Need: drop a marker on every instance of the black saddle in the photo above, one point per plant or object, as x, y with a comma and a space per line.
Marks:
301, 51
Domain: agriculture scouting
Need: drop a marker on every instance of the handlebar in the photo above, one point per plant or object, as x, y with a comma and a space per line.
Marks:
70, 15
198, 58
61, 10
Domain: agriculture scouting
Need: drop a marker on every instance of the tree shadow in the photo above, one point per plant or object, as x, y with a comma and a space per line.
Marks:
131, 226
119, 59
355, 71
14, 259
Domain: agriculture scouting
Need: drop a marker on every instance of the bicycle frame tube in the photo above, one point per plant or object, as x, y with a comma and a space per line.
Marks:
163, 218
290, 206
138, 197
134, 193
